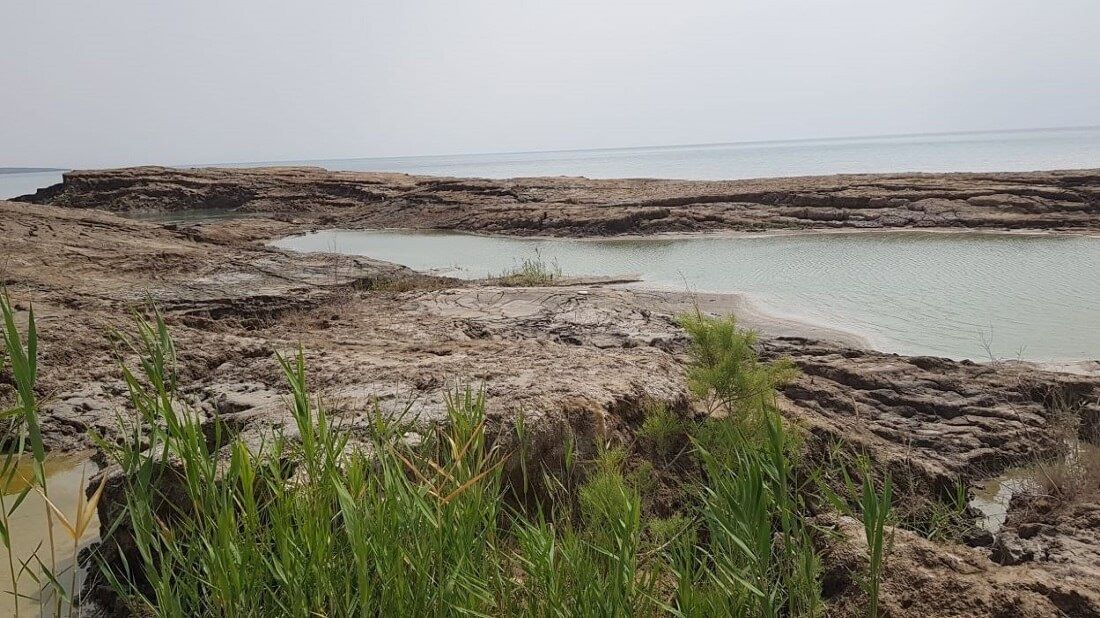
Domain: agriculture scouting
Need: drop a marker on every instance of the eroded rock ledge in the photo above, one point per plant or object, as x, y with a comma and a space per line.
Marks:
566, 206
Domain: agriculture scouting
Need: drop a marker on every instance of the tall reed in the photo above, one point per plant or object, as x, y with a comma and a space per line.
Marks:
397, 519
876, 507
25, 430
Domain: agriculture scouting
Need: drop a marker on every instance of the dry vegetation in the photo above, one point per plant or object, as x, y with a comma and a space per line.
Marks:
531, 272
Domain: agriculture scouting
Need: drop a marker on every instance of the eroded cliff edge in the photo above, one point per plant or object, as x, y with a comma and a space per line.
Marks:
568, 206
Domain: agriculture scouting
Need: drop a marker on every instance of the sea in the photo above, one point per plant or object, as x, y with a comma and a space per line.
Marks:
1040, 149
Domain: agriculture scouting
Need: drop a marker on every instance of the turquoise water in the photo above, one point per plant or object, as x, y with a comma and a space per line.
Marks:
999, 151
1028, 297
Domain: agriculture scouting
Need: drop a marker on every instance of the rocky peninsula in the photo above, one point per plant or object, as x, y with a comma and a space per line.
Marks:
567, 354
568, 206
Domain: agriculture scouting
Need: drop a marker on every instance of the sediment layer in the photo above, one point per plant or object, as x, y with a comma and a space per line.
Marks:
568, 206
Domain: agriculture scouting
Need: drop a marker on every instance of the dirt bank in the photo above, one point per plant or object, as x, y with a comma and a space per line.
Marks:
570, 358
566, 206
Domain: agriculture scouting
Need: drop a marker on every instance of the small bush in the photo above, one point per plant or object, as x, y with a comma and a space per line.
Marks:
1069, 480
531, 272
663, 531
725, 369
939, 519
663, 431
607, 494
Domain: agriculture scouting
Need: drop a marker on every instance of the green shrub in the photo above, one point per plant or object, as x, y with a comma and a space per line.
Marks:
939, 518
662, 431
531, 272
725, 369
760, 560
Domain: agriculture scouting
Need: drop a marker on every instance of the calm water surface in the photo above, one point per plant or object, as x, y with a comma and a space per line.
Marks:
1029, 297
995, 151
14, 185
958, 152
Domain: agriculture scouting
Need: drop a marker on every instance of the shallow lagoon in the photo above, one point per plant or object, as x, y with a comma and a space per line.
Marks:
962, 295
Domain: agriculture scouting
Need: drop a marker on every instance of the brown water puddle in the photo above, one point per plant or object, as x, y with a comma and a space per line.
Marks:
65, 478
992, 497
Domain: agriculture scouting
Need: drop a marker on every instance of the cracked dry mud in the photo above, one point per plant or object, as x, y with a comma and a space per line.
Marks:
570, 357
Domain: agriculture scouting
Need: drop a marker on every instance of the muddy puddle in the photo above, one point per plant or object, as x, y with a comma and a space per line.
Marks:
993, 497
30, 533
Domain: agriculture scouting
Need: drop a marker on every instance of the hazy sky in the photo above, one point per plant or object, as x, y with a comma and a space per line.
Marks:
108, 82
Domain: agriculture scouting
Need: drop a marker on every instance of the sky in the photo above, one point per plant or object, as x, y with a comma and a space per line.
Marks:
107, 83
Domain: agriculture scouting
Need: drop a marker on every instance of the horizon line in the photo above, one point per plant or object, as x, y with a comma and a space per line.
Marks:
671, 146
277, 162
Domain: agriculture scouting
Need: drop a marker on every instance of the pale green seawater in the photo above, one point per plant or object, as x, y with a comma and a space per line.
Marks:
1032, 297
993, 151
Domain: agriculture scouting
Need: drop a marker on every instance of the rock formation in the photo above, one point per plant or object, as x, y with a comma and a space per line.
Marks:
564, 206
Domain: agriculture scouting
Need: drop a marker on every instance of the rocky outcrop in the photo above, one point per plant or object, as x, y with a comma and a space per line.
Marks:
924, 579
932, 421
1066, 200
